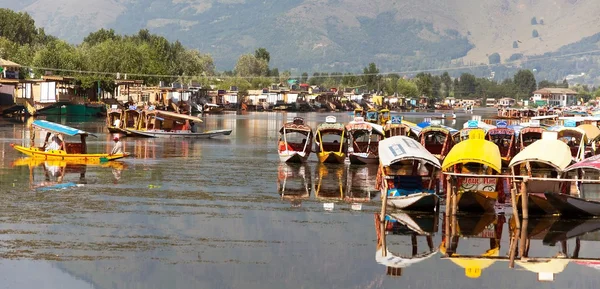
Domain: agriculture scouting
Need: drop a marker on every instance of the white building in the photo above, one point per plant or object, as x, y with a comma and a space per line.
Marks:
555, 97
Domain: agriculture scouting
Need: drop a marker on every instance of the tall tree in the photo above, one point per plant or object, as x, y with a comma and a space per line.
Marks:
424, 84
371, 76
525, 82
467, 86
407, 88
304, 78
262, 53
248, 65
447, 81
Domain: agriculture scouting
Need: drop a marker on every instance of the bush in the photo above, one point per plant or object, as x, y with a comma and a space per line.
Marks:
534, 21
535, 33
494, 58
515, 44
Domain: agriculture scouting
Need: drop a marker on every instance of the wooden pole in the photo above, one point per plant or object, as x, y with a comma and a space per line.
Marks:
454, 196
524, 200
513, 198
523, 238
448, 198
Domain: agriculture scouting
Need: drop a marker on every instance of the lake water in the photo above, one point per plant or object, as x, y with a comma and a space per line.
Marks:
224, 213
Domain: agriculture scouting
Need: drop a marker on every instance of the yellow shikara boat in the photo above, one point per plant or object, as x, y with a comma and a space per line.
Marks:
332, 145
475, 156
68, 151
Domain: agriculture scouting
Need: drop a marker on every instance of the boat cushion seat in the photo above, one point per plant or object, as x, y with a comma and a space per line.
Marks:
401, 192
406, 185
74, 148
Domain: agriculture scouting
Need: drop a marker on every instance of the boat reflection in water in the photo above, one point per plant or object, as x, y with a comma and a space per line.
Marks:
398, 226
330, 182
475, 228
294, 182
559, 234
361, 182
56, 175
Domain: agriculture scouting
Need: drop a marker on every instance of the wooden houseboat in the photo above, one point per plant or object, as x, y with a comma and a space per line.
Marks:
407, 174
575, 138
114, 119
167, 124
294, 141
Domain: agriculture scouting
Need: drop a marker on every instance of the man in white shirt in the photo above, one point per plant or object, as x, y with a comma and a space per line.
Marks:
118, 148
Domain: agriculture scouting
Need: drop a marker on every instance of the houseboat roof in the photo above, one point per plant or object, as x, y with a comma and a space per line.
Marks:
59, 128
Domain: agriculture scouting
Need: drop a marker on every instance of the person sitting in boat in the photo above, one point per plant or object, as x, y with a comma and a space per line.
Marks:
55, 144
118, 148
193, 127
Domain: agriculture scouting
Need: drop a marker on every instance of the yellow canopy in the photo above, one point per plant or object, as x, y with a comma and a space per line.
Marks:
559, 158
591, 131
474, 150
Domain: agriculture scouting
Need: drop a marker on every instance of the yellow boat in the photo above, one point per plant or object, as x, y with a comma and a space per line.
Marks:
68, 151
475, 156
332, 146
384, 116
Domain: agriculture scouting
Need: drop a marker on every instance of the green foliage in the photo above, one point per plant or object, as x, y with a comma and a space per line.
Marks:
424, 84
304, 78
18, 27
535, 33
466, 87
249, 65
262, 53
371, 76
525, 83
447, 82
515, 57
494, 58
100, 36
407, 88
541, 22
534, 21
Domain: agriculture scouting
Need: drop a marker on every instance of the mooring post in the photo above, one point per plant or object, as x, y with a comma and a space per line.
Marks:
454, 196
524, 199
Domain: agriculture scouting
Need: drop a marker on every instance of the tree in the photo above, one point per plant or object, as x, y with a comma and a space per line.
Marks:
565, 84
371, 76
262, 53
391, 84
100, 36
436, 87
494, 58
424, 84
541, 21
447, 82
407, 88
18, 27
304, 78
534, 21
515, 44
248, 65
467, 86
546, 84
535, 33
525, 82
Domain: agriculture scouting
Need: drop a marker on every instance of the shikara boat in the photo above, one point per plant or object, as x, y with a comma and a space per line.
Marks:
372, 116
69, 151
384, 116
475, 228
475, 156
131, 119
330, 182
212, 108
330, 138
396, 127
437, 140
463, 134
545, 158
585, 202
575, 138
295, 138
365, 137
529, 135
505, 139
592, 134
400, 224
294, 181
407, 174
167, 124
114, 119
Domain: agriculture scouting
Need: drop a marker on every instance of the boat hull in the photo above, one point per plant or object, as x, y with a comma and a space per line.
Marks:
569, 206
332, 157
423, 202
362, 160
183, 134
63, 156
477, 202
537, 204
293, 157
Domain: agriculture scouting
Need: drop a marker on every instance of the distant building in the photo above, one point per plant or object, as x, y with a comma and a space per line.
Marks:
555, 97
10, 70
507, 101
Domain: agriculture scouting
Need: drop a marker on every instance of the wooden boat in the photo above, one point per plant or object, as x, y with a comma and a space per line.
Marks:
365, 137
330, 182
505, 139
475, 156
131, 119
294, 182
384, 116
330, 138
475, 228
167, 124
592, 133
585, 202
396, 127
372, 116
399, 224
407, 174
437, 140
529, 135
575, 138
212, 108
69, 151
294, 141
545, 158
359, 112
114, 118
463, 134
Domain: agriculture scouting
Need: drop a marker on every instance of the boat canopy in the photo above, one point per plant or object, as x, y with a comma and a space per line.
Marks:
532, 129
552, 152
297, 125
331, 127
448, 130
59, 128
570, 132
173, 115
399, 148
362, 125
591, 131
474, 150
474, 266
589, 163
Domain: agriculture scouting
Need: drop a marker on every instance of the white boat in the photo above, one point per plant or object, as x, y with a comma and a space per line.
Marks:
166, 124
364, 137
408, 174
295, 141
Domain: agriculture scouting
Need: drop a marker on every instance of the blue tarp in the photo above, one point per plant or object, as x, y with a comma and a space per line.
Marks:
59, 128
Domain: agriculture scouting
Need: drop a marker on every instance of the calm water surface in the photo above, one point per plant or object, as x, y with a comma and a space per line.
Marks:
224, 213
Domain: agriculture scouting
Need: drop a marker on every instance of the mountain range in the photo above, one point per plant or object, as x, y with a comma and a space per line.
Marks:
334, 35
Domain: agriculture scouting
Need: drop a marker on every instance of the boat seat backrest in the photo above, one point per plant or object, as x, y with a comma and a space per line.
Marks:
74, 148
435, 148
335, 147
409, 183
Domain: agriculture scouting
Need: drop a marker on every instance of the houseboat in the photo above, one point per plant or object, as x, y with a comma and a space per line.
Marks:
167, 124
